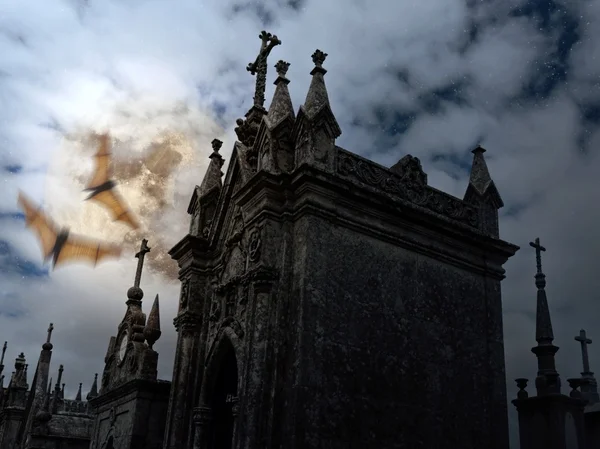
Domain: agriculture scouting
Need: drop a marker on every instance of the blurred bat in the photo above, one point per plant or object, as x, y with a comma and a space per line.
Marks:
103, 188
58, 244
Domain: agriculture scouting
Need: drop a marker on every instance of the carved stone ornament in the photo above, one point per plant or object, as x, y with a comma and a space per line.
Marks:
369, 173
202, 415
410, 171
112, 417
184, 293
230, 303
254, 245
105, 379
187, 322
132, 363
215, 309
234, 325
206, 230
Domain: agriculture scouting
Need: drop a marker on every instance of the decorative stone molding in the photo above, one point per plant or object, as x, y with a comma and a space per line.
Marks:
185, 293
187, 321
259, 273
408, 187
254, 244
202, 415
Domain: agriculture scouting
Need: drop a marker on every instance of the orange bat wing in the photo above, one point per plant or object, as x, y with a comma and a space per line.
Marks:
116, 205
102, 171
78, 249
44, 228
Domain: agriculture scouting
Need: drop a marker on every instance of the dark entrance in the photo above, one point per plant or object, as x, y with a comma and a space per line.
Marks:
223, 395
110, 444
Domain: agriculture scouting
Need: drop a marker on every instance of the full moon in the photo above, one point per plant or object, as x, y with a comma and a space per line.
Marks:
156, 161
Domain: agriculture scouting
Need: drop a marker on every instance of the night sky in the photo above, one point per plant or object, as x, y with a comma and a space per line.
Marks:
431, 78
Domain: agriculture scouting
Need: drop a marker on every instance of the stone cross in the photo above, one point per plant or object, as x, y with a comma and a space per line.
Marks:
582, 338
50, 329
140, 256
538, 254
259, 66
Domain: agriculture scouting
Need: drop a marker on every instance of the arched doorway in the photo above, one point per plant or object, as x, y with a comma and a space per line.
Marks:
110, 443
224, 396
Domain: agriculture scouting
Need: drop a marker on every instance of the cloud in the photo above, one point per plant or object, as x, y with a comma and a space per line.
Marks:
427, 78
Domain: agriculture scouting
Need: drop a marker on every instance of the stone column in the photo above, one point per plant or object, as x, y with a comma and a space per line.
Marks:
259, 380
202, 420
235, 412
182, 396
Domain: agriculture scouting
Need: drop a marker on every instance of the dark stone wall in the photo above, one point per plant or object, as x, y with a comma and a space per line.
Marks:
592, 429
11, 417
395, 349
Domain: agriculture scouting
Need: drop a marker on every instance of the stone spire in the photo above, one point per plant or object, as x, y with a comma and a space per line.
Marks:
94, 390
316, 127
39, 386
44, 415
480, 177
19, 379
589, 386
202, 206
152, 330
2, 393
2, 358
281, 105
247, 128
78, 396
317, 97
547, 380
212, 178
58, 393
482, 192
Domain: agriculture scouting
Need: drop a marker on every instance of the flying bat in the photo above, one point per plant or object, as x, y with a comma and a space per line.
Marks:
58, 244
102, 187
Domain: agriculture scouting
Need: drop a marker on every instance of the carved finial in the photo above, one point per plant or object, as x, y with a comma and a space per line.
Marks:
78, 397
59, 378
522, 384
282, 67
216, 146
574, 383
318, 58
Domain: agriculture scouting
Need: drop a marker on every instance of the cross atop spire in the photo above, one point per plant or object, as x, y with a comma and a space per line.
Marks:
582, 338
140, 256
50, 329
259, 66
538, 254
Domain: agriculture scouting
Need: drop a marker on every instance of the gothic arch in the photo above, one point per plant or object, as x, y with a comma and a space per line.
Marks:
109, 443
226, 338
